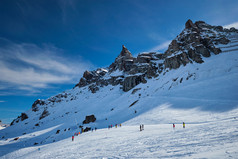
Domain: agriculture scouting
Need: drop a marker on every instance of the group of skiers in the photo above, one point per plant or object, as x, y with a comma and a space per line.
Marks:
183, 125
82, 130
116, 125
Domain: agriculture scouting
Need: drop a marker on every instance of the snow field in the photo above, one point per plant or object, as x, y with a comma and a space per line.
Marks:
216, 138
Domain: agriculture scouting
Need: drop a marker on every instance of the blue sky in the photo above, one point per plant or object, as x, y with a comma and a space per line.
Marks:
46, 45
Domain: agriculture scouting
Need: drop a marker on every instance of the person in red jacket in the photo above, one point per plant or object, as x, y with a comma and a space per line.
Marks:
173, 125
73, 138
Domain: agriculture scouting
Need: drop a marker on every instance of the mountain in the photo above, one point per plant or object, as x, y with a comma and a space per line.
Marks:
198, 70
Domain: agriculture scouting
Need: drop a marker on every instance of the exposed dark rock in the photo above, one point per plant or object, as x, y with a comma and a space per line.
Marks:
89, 119
44, 114
91, 77
123, 62
133, 103
87, 129
23, 116
35, 105
93, 88
175, 61
201, 49
194, 56
12, 123
17, 138
189, 24
19, 118
181, 80
131, 81
58, 131
135, 90
87, 75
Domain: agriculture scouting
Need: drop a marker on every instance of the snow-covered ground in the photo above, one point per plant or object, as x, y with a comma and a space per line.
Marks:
206, 135
2, 127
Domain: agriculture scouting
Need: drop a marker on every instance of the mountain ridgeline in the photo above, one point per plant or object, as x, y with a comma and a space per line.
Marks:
116, 93
196, 41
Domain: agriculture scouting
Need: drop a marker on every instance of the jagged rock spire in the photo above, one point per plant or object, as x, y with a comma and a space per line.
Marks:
123, 61
189, 24
125, 52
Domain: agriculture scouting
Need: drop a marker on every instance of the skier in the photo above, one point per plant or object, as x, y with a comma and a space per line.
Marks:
140, 128
174, 126
95, 128
116, 125
120, 125
183, 125
73, 138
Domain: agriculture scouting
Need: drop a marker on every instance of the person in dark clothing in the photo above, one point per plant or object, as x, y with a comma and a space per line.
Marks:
140, 128
183, 125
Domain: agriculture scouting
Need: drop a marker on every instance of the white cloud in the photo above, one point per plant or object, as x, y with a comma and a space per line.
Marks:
235, 25
29, 67
161, 47
1, 101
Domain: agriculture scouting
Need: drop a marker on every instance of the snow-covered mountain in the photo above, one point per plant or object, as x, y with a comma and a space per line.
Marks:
197, 74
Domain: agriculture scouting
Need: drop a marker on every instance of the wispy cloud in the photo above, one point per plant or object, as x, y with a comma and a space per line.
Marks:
235, 25
161, 47
1, 101
29, 67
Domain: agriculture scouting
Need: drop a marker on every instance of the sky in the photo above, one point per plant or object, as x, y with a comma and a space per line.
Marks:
46, 45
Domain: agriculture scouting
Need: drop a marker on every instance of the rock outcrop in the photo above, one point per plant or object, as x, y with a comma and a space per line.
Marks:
197, 40
44, 114
36, 104
22, 117
89, 119
123, 62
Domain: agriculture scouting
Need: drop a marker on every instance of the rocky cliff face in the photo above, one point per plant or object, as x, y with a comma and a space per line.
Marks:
196, 41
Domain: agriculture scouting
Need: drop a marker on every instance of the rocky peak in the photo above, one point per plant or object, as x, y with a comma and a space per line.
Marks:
189, 24
123, 61
197, 40
125, 52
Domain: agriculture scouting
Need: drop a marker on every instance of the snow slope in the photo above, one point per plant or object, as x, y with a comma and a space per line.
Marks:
207, 135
